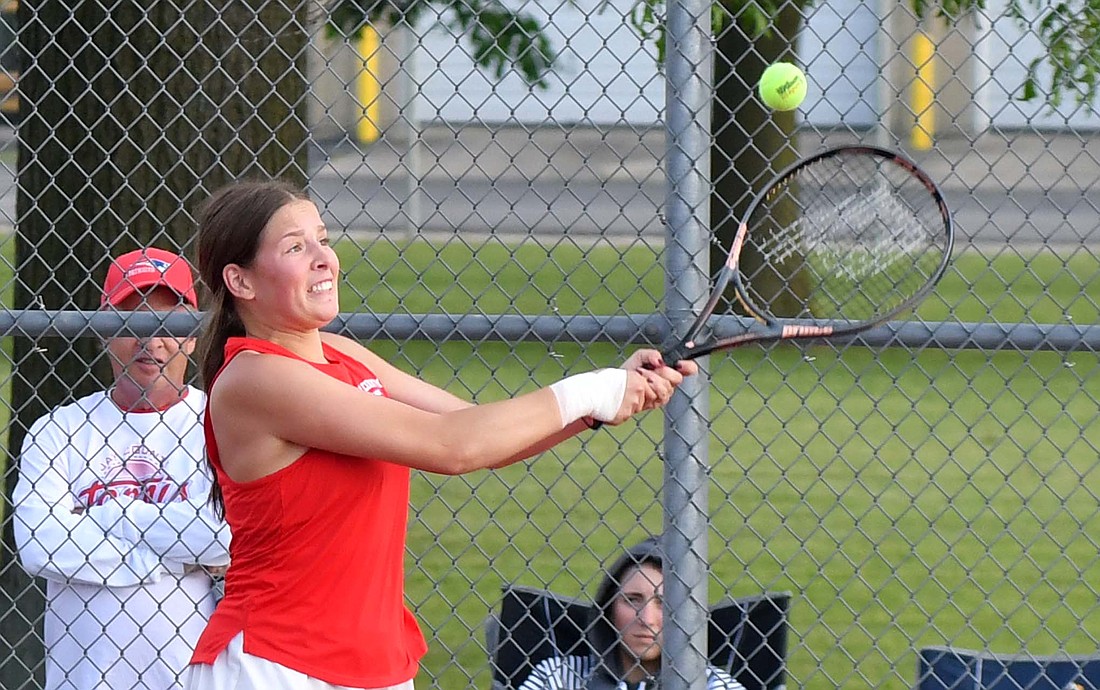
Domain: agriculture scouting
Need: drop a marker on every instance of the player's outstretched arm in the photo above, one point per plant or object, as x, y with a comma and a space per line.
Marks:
276, 402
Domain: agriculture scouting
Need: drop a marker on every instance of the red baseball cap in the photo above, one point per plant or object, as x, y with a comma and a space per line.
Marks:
147, 268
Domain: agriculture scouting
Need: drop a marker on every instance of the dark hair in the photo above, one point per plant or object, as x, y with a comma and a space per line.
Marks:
231, 223
647, 552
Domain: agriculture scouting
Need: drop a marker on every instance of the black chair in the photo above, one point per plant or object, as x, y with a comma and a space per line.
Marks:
950, 668
747, 636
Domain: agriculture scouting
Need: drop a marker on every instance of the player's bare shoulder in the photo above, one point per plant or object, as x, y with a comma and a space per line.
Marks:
251, 377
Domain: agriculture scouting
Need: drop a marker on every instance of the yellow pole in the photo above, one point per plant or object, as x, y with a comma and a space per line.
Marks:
368, 88
923, 93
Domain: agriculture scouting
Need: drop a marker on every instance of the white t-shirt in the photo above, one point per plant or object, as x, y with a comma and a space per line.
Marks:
110, 507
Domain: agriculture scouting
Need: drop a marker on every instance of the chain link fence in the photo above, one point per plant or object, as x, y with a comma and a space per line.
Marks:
929, 485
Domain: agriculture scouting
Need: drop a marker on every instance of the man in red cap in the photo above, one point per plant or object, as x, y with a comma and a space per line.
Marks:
111, 505
149, 373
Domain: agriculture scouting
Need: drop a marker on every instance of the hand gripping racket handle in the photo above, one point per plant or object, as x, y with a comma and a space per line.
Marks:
666, 357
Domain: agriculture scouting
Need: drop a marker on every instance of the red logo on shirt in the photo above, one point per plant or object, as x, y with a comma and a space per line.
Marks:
372, 386
138, 475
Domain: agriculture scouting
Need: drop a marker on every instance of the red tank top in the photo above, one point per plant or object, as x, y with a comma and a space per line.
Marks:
316, 580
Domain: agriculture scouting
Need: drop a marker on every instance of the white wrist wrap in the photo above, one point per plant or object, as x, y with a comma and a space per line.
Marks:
598, 394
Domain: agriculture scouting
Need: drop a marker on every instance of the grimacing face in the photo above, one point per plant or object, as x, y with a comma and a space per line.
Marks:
294, 278
636, 613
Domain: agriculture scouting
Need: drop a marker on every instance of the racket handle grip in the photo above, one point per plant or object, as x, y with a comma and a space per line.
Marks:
674, 356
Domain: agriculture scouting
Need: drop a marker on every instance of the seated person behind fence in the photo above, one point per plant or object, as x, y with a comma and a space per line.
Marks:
111, 508
626, 635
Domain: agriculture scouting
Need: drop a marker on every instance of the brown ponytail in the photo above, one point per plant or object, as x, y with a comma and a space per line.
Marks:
231, 223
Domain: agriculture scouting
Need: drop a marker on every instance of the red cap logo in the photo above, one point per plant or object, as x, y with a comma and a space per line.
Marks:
143, 269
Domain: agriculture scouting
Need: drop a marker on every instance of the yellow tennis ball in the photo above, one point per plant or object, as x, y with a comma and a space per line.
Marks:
782, 86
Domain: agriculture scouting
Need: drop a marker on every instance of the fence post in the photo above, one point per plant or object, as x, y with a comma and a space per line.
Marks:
689, 93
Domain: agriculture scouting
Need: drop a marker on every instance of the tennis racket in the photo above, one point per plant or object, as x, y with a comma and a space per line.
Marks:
841, 241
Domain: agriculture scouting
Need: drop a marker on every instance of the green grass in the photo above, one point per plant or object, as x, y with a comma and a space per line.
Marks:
905, 499
898, 514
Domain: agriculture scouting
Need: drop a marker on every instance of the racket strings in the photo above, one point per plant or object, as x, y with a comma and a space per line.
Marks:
847, 237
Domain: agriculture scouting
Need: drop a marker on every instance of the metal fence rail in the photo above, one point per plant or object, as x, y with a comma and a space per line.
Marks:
643, 329
930, 483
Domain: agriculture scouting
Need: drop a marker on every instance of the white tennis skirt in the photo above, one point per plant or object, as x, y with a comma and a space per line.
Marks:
235, 669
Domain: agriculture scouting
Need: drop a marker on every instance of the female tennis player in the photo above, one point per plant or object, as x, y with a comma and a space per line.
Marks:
311, 437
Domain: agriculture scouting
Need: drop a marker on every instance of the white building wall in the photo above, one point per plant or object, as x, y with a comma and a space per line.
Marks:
1005, 54
608, 75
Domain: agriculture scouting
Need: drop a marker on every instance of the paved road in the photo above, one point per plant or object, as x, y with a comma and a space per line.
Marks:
1025, 189
1018, 188
621, 208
